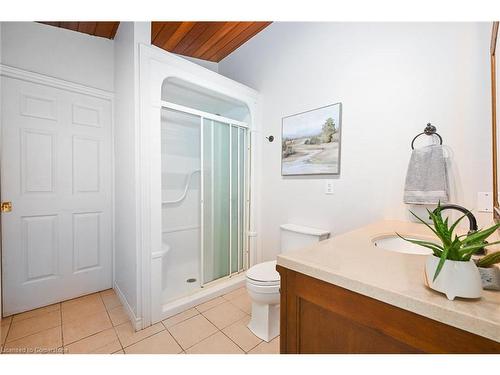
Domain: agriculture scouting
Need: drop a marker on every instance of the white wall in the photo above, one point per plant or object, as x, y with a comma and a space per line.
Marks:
392, 79
59, 53
210, 65
127, 255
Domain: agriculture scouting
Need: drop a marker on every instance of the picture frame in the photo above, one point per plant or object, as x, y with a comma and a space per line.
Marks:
311, 142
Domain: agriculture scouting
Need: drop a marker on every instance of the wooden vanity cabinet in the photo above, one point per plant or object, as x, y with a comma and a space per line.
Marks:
318, 317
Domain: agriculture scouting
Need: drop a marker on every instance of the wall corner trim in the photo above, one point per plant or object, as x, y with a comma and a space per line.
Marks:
135, 321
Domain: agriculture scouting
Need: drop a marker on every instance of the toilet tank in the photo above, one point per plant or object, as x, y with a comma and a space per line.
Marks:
294, 237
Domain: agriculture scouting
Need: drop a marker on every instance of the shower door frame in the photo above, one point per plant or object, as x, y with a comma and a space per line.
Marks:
246, 196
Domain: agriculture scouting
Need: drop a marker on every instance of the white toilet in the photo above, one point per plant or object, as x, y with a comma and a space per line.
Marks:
263, 281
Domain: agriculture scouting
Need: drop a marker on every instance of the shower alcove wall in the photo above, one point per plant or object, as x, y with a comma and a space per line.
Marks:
199, 217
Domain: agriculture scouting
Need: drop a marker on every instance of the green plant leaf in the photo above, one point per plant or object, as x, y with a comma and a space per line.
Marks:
436, 249
454, 225
469, 250
453, 253
442, 259
424, 222
480, 235
489, 260
441, 228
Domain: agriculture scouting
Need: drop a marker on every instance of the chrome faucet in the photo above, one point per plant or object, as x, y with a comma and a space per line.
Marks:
470, 216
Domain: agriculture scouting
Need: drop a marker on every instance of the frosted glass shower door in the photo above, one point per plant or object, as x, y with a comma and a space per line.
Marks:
224, 192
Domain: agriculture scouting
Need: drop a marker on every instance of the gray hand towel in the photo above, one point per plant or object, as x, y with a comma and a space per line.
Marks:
426, 178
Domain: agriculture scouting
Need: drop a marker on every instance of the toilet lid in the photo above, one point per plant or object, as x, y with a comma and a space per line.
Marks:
264, 272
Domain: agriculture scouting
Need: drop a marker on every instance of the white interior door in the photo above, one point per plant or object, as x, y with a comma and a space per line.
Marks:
57, 172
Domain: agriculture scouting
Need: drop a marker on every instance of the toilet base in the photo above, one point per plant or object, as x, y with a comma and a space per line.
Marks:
265, 321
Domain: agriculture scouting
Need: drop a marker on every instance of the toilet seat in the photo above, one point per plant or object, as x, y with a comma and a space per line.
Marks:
263, 289
263, 274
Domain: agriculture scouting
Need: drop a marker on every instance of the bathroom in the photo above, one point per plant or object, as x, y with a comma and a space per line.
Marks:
169, 184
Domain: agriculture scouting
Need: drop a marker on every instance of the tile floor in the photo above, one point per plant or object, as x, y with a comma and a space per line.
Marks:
97, 323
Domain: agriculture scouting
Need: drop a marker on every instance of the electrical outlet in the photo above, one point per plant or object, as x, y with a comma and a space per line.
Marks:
485, 201
329, 187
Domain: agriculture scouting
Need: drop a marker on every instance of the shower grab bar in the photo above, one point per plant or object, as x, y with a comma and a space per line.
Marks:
180, 229
183, 196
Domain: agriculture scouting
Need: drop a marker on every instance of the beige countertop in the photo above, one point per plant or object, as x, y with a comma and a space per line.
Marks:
351, 261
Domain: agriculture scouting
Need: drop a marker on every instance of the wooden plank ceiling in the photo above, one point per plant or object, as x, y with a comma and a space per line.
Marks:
204, 40
103, 29
210, 41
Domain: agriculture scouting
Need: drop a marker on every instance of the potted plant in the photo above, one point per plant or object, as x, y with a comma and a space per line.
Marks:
450, 269
490, 275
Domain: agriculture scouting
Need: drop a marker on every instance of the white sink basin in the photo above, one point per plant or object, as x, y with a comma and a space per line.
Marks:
398, 245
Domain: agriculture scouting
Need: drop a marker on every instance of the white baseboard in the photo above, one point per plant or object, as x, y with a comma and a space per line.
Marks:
136, 322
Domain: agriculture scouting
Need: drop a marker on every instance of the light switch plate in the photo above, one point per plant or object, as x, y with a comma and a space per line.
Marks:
485, 201
329, 187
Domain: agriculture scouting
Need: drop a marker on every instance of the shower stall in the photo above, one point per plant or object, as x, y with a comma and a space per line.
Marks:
204, 168
197, 213
204, 189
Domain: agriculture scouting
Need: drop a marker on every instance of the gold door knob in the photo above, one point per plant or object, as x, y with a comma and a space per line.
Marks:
6, 207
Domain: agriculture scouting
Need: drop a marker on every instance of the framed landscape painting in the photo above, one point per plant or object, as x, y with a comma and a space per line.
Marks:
311, 142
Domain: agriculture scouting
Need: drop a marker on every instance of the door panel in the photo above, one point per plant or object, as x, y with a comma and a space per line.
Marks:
57, 172
37, 161
39, 247
86, 241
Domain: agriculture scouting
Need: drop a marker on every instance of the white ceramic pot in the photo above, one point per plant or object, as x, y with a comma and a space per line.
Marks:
456, 279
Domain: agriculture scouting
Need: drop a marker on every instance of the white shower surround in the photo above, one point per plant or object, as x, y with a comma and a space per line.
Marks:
157, 65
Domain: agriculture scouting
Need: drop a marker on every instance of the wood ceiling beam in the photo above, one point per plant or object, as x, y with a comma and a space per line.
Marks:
204, 40
236, 42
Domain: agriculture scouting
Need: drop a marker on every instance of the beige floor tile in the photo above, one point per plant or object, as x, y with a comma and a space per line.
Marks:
36, 312
235, 293
119, 352
160, 343
224, 315
85, 326
241, 335
4, 330
48, 340
102, 342
81, 307
272, 347
243, 302
33, 325
109, 349
88, 298
108, 292
110, 300
192, 331
129, 336
210, 304
215, 344
176, 319
118, 315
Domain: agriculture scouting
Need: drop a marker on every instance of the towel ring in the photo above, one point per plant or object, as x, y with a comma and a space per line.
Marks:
429, 130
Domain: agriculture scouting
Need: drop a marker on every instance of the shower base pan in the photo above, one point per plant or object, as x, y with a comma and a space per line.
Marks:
215, 289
